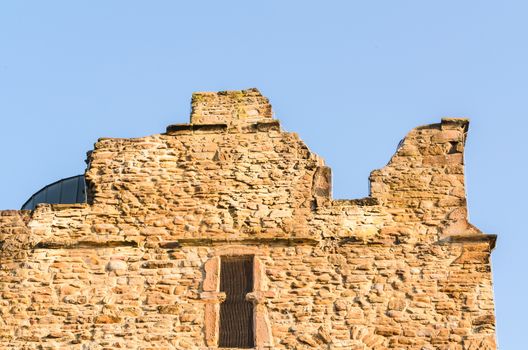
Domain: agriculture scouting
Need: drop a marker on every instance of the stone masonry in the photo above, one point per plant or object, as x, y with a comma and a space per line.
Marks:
138, 265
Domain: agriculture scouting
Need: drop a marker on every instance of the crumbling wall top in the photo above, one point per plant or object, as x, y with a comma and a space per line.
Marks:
230, 107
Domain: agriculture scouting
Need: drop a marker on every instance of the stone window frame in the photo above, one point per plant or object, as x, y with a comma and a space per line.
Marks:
212, 297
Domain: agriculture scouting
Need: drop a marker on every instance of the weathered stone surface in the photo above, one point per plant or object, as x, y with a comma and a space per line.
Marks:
138, 266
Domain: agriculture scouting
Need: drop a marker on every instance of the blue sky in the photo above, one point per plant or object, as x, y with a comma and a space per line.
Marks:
352, 78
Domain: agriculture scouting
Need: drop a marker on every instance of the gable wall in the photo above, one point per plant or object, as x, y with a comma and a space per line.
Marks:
401, 269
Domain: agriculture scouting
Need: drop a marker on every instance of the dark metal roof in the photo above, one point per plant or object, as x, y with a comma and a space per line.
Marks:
66, 191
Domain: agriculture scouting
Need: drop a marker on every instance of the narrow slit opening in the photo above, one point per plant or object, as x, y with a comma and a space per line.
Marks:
236, 313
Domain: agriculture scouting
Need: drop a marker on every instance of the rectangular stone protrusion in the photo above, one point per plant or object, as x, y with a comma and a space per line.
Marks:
322, 185
230, 107
454, 123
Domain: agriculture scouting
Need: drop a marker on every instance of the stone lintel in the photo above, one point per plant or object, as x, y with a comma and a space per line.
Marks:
455, 239
454, 123
173, 244
188, 129
265, 126
178, 129
469, 239
362, 202
85, 244
250, 241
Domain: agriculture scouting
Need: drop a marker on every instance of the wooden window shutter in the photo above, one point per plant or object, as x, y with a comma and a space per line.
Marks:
236, 314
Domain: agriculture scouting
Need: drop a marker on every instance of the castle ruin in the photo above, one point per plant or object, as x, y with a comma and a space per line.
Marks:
223, 234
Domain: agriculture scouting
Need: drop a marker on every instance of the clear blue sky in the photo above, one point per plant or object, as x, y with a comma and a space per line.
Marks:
352, 78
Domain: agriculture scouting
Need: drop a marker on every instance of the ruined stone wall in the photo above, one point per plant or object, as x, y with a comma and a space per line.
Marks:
400, 269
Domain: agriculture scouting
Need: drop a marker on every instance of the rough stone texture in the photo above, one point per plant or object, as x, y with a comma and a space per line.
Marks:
401, 269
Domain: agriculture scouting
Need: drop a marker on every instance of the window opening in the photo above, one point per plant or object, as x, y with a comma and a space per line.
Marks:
236, 313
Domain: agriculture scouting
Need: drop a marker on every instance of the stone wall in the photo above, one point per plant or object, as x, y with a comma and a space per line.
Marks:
400, 269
